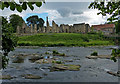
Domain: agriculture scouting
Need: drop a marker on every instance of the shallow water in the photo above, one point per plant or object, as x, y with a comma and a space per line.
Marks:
92, 70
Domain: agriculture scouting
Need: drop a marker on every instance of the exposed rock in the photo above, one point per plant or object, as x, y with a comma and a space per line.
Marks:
68, 60
45, 61
99, 56
18, 59
35, 58
6, 77
113, 73
45, 74
30, 76
61, 67
59, 54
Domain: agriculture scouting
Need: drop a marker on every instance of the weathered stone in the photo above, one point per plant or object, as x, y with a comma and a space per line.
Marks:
30, 76
18, 59
99, 56
113, 73
68, 60
35, 28
18, 30
46, 61
6, 77
61, 67
76, 28
35, 58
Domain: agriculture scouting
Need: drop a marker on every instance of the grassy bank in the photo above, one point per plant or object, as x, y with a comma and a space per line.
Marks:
63, 39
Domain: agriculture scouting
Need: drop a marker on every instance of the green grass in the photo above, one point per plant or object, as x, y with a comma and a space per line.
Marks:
63, 39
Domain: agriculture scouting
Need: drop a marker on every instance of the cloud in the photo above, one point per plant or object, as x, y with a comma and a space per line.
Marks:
64, 13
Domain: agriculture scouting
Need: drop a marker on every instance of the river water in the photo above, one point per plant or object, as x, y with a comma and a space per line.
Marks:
92, 70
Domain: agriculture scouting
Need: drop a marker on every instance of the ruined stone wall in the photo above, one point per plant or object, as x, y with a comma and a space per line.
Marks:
88, 29
76, 28
79, 28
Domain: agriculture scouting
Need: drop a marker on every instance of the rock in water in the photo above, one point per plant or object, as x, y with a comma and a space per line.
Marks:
61, 67
6, 77
18, 60
30, 76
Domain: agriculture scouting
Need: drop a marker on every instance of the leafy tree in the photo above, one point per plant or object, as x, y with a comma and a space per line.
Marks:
22, 5
9, 41
16, 20
113, 9
117, 26
110, 8
35, 20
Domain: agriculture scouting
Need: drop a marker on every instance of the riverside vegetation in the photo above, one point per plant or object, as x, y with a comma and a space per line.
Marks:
64, 39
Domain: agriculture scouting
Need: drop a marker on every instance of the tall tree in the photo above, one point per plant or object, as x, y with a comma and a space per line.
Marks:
16, 20
35, 20
8, 39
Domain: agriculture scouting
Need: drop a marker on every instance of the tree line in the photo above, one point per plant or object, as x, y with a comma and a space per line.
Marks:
16, 20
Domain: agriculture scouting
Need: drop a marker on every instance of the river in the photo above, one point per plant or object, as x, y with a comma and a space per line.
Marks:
92, 70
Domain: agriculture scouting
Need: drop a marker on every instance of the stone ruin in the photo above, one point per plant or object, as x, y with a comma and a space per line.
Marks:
76, 28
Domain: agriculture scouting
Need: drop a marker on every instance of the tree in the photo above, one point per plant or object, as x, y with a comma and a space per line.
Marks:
9, 41
117, 26
35, 20
21, 6
16, 20
113, 9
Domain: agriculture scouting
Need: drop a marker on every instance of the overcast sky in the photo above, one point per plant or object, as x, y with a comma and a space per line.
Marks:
63, 13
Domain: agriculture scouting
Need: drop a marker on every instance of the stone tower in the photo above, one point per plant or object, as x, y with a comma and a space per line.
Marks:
47, 23
47, 29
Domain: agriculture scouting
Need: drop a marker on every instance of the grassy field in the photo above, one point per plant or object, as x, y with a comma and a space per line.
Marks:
63, 39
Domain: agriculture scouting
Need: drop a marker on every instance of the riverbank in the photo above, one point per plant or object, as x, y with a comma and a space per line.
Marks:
64, 39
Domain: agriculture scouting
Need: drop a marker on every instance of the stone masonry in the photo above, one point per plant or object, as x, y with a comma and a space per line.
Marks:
76, 28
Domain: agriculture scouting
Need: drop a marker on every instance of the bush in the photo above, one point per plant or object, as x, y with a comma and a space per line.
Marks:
55, 52
115, 52
46, 52
95, 53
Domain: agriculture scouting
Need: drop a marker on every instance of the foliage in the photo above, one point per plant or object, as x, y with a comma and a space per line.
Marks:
9, 41
115, 53
55, 52
95, 53
63, 39
117, 26
111, 8
16, 20
22, 5
35, 20
47, 53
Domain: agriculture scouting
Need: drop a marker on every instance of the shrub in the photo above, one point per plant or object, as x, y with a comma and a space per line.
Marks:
95, 53
58, 62
55, 52
46, 52
63, 54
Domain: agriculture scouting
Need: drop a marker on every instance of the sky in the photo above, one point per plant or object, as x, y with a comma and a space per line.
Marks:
63, 12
